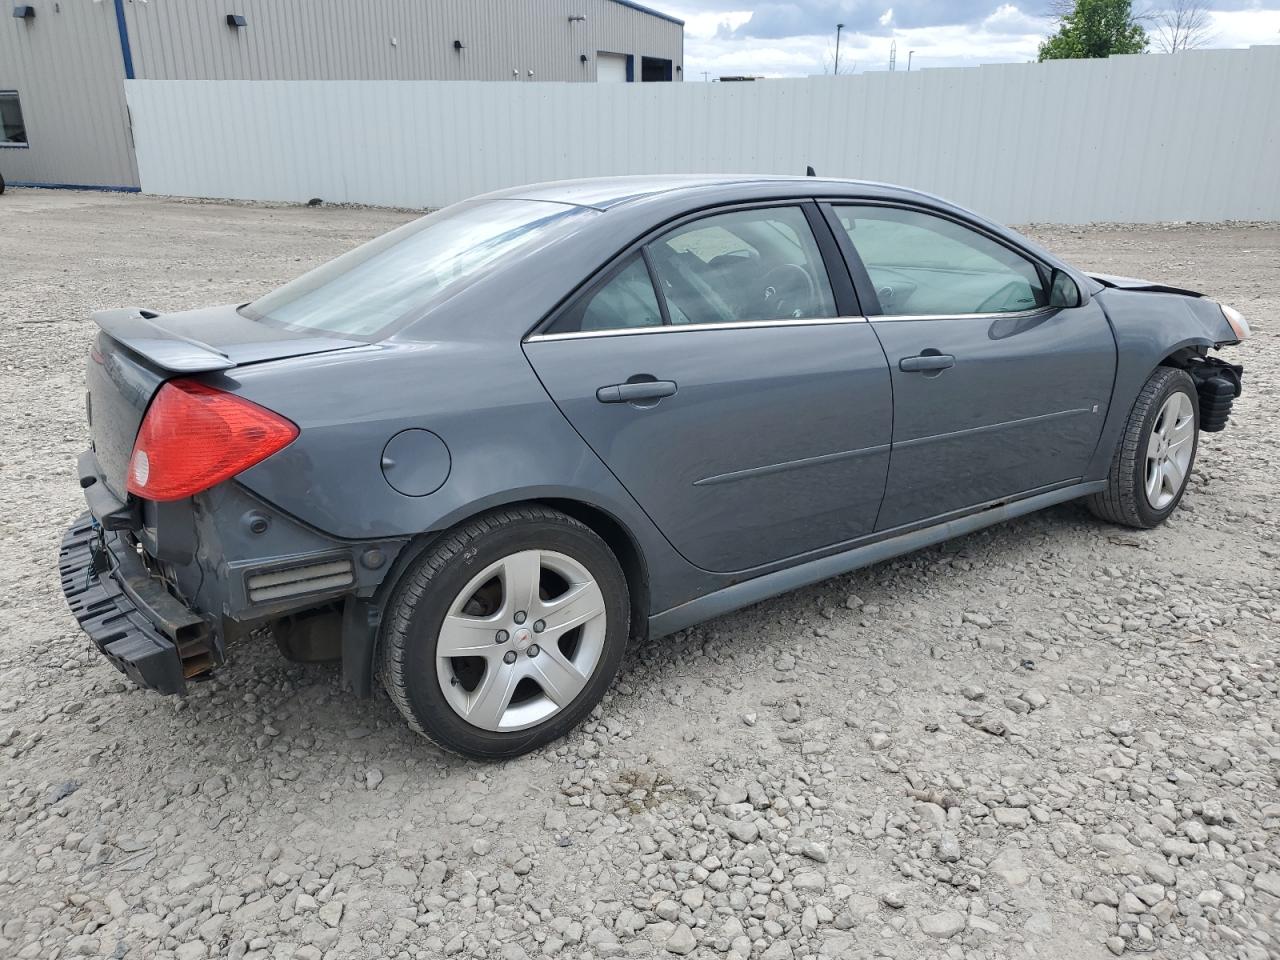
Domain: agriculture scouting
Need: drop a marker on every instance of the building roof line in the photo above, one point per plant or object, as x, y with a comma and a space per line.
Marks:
650, 11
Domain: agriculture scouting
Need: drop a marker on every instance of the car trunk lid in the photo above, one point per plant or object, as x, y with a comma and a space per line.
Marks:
138, 350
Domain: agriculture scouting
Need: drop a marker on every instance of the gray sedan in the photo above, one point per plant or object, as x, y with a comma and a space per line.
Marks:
475, 456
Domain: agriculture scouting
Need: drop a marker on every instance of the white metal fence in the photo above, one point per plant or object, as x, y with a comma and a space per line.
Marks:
1188, 136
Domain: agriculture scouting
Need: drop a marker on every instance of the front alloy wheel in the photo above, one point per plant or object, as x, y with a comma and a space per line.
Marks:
1153, 459
1169, 450
505, 632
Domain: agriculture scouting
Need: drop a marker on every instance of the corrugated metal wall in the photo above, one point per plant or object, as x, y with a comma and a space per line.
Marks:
345, 40
66, 65
1140, 138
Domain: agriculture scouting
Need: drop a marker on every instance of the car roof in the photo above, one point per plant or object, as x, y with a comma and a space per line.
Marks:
603, 193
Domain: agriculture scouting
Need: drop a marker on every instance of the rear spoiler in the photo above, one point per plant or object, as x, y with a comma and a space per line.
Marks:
135, 329
1132, 283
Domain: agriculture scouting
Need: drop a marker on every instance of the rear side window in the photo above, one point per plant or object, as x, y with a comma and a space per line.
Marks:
743, 266
400, 274
625, 301
922, 265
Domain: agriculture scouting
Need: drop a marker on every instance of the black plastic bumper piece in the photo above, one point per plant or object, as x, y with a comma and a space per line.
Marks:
1219, 384
124, 629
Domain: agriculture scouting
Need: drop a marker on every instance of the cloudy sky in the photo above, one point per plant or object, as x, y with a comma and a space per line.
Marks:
784, 38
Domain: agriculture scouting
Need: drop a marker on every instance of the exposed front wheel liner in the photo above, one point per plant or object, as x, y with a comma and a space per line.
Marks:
1155, 455
504, 634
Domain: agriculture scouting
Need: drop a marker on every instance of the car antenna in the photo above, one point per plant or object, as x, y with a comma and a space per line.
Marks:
808, 172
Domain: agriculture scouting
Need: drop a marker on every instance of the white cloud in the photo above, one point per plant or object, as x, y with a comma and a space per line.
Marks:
1005, 34
1244, 28
699, 26
1009, 19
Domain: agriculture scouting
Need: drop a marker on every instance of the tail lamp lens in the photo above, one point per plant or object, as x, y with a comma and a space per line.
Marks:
195, 436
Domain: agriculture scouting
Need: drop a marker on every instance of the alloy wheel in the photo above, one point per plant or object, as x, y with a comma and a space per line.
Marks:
1169, 450
521, 640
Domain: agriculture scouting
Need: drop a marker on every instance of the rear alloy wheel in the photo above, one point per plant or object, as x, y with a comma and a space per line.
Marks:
1153, 462
505, 634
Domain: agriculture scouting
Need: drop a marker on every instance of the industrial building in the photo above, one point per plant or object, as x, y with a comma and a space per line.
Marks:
63, 116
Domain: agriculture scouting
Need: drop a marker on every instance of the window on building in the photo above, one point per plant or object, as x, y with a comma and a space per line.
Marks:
13, 132
654, 69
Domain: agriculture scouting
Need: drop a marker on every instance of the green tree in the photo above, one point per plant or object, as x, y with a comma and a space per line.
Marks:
1095, 28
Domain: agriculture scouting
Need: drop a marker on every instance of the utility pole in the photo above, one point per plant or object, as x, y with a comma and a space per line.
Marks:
910, 54
835, 71
893, 54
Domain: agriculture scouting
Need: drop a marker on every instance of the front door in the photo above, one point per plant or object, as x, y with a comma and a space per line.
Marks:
748, 419
996, 394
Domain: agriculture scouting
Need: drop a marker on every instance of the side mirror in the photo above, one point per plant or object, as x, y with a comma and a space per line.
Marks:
1063, 291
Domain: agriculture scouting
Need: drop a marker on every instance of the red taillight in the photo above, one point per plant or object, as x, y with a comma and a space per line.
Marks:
194, 436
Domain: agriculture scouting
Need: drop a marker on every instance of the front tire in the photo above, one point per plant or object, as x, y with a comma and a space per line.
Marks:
504, 634
1157, 450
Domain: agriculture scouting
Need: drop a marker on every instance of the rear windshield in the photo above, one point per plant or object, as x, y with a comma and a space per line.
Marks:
395, 277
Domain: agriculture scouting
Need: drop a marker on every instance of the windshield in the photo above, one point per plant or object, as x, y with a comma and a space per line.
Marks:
401, 273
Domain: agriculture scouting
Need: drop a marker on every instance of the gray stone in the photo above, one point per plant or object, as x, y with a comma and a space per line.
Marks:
944, 925
681, 941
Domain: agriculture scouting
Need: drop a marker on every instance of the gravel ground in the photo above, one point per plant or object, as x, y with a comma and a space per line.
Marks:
1050, 739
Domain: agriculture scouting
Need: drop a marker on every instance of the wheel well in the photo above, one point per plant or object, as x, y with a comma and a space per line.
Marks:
608, 529
361, 626
624, 547
1184, 357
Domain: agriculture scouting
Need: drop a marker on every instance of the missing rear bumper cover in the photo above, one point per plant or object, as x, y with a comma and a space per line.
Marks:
146, 633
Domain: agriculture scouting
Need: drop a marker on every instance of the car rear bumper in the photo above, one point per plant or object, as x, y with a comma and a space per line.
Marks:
146, 632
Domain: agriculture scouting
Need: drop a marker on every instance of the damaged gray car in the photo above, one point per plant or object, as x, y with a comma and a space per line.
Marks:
475, 456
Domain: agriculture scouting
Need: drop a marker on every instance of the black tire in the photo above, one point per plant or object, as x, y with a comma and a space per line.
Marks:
1, 183
406, 659
1124, 501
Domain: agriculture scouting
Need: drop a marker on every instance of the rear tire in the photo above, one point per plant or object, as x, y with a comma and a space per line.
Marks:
503, 635
1155, 455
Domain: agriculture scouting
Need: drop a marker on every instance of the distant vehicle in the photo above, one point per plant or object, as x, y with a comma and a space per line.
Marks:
475, 455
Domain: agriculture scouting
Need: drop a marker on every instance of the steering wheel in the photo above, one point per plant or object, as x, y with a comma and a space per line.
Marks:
788, 289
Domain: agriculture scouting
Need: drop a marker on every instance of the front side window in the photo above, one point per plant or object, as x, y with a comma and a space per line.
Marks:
748, 265
13, 130
922, 265
404, 272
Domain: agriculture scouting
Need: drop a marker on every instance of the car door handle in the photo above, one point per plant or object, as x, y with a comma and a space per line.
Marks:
926, 361
633, 392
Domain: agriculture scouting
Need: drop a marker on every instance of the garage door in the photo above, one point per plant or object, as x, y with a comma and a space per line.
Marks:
611, 68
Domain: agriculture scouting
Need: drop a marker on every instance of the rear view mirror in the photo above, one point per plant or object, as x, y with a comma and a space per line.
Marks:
1063, 291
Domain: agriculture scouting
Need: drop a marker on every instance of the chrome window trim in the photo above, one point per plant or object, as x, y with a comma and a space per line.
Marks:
681, 327
1035, 311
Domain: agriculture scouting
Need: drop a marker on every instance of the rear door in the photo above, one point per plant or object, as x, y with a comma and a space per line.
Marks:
731, 385
996, 394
